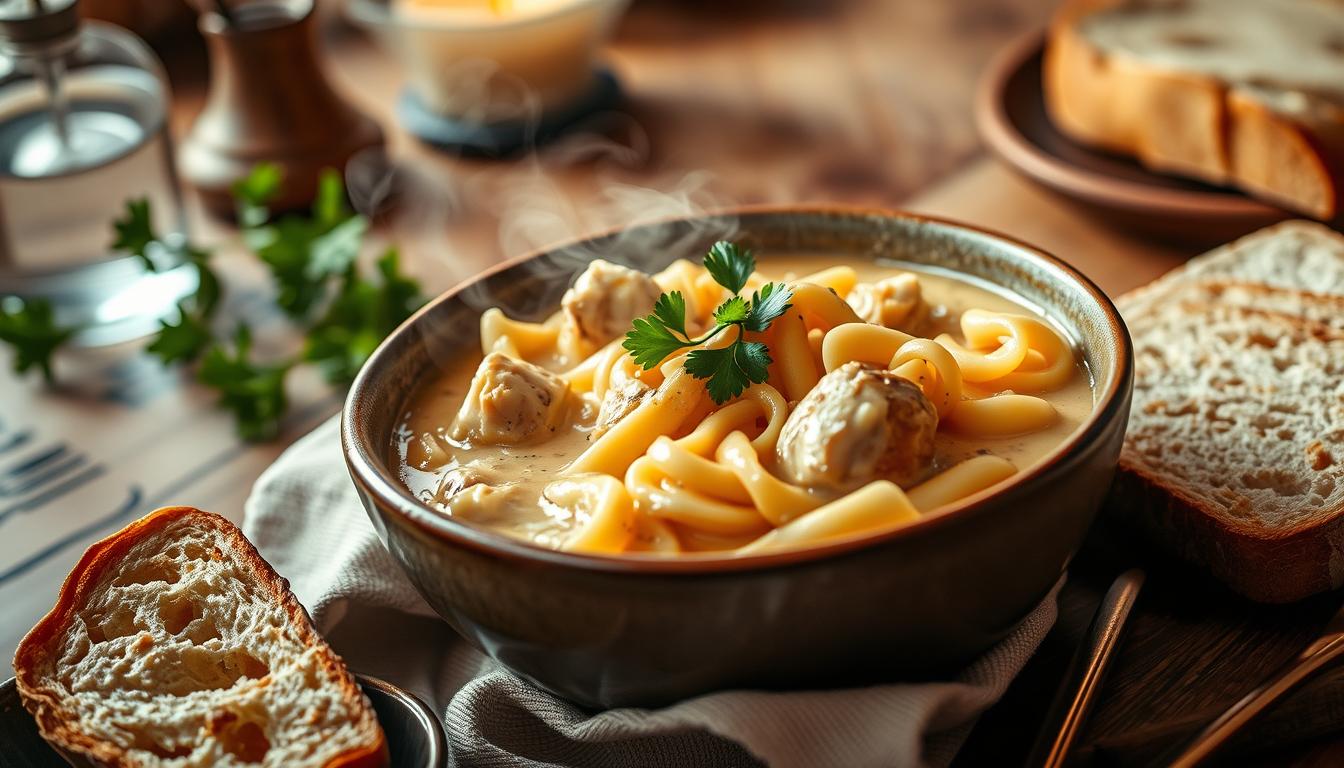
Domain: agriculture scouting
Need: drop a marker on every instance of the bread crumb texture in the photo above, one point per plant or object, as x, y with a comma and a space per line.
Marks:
182, 657
1242, 408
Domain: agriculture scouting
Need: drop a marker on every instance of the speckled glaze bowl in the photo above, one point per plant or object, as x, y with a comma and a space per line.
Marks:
615, 631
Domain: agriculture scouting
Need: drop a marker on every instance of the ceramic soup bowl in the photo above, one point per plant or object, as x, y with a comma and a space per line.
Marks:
608, 631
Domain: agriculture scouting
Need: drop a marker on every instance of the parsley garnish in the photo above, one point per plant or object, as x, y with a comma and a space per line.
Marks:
303, 252
254, 393
729, 369
313, 261
360, 317
185, 339
30, 328
135, 232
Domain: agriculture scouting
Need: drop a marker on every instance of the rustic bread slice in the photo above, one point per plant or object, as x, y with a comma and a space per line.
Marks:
1234, 456
1299, 256
1328, 310
174, 643
1243, 92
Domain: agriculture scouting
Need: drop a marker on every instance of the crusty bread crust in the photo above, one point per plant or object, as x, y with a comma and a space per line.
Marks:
38, 645
1277, 569
1187, 123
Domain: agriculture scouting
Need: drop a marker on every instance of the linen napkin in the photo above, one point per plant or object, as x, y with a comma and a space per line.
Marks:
304, 517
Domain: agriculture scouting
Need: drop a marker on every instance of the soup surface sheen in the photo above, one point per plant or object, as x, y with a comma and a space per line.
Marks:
643, 461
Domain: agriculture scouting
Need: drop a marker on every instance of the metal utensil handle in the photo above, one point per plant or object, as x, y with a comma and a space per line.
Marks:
1294, 674
1087, 671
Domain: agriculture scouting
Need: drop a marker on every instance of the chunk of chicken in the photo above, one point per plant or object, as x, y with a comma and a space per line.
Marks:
619, 401
479, 492
895, 302
511, 401
606, 299
859, 423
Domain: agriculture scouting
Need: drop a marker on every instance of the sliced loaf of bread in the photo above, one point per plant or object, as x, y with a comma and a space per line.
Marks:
1241, 92
173, 643
1234, 457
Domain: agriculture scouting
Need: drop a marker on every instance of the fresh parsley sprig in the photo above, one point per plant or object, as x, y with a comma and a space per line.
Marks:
254, 393
30, 328
730, 369
184, 338
344, 313
359, 317
303, 252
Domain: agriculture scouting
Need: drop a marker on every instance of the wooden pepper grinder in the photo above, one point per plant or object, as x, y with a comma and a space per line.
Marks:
269, 101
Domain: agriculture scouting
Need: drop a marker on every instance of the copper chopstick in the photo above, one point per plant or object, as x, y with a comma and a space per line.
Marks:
1074, 701
1295, 673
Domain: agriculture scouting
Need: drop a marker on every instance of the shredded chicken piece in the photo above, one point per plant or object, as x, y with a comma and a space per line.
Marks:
511, 401
606, 299
618, 403
895, 302
859, 423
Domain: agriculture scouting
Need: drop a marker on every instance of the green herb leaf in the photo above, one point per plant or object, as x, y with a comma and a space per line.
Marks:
732, 311
255, 191
401, 295
182, 341
731, 369
329, 208
729, 265
135, 231
770, 302
254, 394
332, 251
29, 327
670, 311
650, 342
208, 290
360, 317
304, 253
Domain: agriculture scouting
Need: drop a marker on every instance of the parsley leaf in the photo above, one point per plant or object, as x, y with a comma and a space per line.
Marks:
30, 328
181, 341
332, 251
733, 310
253, 393
670, 310
730, 266
255, 191
304, 253
329, 208
767, 304
650, 342
360, 316
186, 338
729, 369
135, 231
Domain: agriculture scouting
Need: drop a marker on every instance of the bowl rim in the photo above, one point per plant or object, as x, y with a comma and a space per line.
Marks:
391, 494
375, 13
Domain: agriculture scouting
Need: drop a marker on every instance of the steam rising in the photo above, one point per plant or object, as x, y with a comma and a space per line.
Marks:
572, 188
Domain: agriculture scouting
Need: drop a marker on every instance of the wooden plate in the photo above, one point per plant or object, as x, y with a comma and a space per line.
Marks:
1011, 116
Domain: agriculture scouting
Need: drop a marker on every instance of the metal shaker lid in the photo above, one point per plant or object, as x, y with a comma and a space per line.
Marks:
37, 21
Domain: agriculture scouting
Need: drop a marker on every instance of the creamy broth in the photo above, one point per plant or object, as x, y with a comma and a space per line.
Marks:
429, 456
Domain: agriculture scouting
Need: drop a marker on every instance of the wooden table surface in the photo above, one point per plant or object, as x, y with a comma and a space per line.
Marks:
854, 101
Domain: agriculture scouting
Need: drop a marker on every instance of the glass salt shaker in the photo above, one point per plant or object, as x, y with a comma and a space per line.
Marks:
84, 129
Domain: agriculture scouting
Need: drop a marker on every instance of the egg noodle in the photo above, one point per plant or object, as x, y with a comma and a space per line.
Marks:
676, 472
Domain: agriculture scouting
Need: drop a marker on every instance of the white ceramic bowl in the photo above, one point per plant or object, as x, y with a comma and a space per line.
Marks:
472, 66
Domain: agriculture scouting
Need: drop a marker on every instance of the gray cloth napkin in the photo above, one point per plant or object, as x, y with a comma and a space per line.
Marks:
304, 517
